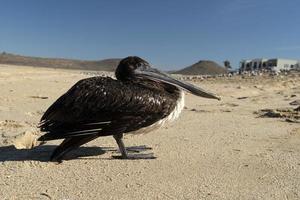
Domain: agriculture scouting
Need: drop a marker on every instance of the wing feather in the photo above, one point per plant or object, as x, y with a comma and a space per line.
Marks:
103, 106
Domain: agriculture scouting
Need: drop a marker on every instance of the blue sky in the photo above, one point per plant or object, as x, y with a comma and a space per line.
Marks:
169, 33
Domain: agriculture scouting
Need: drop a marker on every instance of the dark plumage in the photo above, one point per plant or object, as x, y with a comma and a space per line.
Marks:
102, 106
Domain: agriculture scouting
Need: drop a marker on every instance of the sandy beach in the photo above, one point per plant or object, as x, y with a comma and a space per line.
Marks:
215, 150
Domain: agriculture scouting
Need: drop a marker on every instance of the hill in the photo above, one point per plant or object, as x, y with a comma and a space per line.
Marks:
97, 65
203, 67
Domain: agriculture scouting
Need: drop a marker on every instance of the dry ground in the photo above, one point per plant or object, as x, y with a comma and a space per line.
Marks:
215, 150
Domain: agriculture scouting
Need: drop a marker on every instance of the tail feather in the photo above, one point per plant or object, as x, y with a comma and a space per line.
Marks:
58, 135
59, 130
69, 144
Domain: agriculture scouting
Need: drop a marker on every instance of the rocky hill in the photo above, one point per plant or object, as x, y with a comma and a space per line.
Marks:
203, 67
98, 65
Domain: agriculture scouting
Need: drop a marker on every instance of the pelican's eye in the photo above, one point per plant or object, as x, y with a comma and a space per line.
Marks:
142, 66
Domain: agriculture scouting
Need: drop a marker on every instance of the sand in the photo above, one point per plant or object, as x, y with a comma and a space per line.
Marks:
215, 150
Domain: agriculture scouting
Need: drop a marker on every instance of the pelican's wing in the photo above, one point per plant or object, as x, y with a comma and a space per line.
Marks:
102, 106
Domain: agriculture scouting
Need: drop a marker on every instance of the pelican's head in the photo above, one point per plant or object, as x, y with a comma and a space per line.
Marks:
133, 67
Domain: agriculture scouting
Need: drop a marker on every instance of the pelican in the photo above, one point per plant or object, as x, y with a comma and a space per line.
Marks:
140, 99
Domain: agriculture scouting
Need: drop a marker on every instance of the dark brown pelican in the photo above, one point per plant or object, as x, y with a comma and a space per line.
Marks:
141, 99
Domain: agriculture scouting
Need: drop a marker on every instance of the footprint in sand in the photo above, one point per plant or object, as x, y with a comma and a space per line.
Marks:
295, 103
229, 104
10, 124
288, 114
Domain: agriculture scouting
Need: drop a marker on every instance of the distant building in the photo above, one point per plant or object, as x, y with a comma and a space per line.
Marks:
297, 66
276, 64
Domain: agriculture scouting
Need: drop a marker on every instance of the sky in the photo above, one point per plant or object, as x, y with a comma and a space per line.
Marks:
170, 34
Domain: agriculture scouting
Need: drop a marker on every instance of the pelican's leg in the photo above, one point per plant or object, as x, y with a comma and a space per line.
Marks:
121, 145
124, 153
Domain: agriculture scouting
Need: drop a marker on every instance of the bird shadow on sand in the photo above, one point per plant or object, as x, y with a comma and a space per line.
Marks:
42, 153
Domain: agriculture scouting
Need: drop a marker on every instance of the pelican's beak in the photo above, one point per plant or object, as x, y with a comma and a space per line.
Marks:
156, 75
